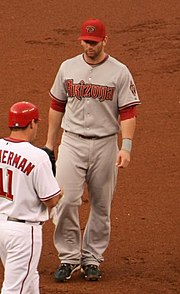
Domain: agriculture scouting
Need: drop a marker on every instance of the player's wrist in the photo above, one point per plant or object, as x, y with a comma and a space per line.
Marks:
51, 155
126, 144
47, 148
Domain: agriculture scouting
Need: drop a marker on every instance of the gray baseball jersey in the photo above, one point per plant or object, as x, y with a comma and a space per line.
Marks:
94, 95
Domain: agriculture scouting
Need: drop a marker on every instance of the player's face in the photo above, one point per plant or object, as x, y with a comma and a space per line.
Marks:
94, 51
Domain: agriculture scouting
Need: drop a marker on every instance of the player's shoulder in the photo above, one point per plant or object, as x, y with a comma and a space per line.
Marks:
116, 62
71, 60
37, 152
119, 67
2, 142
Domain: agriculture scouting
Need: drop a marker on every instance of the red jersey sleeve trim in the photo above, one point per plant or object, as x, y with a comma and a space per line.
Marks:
56, 104
127, 113
50, 196
130, 104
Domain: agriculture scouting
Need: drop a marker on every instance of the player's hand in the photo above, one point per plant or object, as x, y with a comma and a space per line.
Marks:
123, 159
51, 157
62, 192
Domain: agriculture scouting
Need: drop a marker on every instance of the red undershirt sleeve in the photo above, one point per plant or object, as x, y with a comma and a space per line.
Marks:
128, 112
58, 105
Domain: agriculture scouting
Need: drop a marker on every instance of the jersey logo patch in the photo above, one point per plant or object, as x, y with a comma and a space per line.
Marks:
133, 88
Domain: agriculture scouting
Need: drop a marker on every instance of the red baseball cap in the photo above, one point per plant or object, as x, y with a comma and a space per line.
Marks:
92, 30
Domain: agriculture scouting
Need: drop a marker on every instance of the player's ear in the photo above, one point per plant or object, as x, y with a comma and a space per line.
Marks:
31, 125
105, 40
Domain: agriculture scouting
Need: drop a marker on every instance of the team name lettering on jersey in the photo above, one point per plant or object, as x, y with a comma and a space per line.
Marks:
83, 90
8, 157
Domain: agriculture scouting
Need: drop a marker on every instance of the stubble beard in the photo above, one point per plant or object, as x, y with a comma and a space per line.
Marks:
93, 55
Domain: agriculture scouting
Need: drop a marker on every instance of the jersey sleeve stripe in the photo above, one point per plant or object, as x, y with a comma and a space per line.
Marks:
55, 98
49, 197
130, 104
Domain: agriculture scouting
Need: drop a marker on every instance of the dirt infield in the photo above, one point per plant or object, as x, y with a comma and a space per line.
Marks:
36, 36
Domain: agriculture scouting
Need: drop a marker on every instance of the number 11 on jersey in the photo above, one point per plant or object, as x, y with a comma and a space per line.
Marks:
9, 176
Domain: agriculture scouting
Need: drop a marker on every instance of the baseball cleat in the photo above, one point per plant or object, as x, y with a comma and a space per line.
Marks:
65, 271
91, 272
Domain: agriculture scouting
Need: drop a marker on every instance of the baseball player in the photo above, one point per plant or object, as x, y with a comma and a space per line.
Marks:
92, 98
27, 189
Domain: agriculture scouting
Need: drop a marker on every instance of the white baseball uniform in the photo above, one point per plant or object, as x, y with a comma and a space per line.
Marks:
26, 179
94, 95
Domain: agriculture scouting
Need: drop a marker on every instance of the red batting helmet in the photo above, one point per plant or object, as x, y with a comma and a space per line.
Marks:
22, 113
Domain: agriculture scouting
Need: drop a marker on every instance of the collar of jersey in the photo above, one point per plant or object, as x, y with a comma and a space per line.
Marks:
14, 140
92, 64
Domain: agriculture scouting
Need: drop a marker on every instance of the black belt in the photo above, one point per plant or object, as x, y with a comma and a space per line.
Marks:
90, 137
23, 221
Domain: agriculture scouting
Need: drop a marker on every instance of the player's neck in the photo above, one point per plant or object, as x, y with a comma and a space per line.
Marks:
19, 135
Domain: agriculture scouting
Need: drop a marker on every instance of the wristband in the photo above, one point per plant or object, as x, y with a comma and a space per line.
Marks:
126, 144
